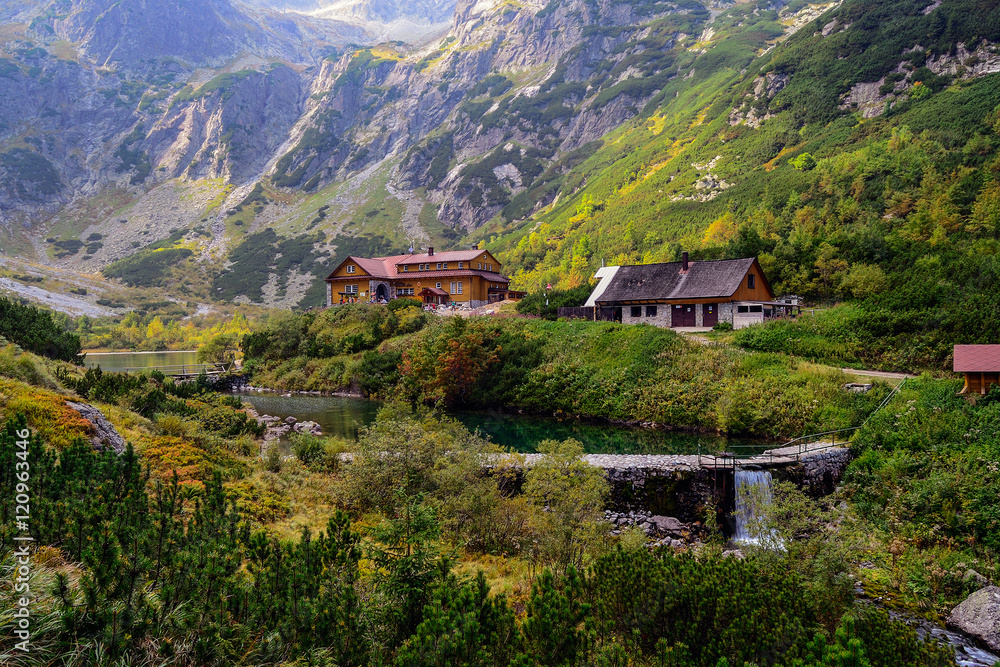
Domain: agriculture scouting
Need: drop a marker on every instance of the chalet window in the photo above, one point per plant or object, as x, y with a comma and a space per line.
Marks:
756, 309
350, 268
438, 285
742, 309
405, 291
406, 268
460, 265
636, 311
445, 265
452, 290
651, 311
439, 266
351, 289
459, 287
489, 267
751, 281
479, 265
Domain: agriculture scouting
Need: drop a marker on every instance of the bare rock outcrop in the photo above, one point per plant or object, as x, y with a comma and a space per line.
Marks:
107, 435
979, 616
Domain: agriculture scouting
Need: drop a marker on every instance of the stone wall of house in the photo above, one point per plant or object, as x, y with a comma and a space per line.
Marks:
664, 316
661, 319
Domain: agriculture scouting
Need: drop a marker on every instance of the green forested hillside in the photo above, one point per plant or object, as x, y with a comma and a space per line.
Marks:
886, 194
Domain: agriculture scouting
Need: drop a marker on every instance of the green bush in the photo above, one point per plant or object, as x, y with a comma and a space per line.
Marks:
34, 330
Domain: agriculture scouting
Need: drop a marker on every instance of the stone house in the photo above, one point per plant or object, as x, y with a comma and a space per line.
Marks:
687, 293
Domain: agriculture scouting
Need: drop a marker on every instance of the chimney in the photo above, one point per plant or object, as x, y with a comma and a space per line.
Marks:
684, 260
430, 251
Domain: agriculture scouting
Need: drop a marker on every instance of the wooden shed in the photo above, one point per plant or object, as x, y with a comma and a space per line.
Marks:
981, 366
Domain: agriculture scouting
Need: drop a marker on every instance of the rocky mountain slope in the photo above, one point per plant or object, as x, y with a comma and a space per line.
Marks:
238, 166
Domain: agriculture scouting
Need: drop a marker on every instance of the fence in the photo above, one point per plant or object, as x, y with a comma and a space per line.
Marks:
590, 313
796, 448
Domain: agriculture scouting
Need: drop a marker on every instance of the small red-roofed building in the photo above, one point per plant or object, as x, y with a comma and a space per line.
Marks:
981, 366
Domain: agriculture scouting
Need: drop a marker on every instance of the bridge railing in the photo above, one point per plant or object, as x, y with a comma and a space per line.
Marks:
181, 369
796, 448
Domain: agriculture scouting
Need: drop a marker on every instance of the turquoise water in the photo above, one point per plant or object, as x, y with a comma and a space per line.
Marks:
345, 416
118, 361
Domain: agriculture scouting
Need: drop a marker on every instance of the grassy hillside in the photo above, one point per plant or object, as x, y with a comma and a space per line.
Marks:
597, 370
766, 155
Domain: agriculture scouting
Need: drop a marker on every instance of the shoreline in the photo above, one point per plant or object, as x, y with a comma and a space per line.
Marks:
636, 425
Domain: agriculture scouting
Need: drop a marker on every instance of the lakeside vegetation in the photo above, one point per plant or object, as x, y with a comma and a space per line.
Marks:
578, 369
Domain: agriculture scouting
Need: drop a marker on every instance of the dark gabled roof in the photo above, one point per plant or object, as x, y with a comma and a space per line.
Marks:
703, 280
977, 358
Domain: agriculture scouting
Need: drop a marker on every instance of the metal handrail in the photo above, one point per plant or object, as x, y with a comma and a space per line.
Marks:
801, 444
183, 368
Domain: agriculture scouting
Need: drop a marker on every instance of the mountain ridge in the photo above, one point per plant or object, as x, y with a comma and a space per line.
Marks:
478, 137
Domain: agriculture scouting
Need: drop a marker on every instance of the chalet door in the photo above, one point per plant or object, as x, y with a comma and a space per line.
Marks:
689, 316
677, 316
709, 314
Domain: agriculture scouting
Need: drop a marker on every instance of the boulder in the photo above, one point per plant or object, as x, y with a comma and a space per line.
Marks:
976, 578
310, 427
979, 616
105, 434
290, 420
667, 524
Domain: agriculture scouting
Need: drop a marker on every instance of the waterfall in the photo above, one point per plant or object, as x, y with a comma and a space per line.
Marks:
753, 496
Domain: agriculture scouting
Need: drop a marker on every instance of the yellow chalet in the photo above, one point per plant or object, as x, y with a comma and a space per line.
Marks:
470, 277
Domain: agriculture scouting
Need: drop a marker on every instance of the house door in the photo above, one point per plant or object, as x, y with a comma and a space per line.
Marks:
710, 314
381, 294
689, 316
677, 316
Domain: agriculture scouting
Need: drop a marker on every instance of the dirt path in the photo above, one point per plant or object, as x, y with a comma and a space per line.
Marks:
878, 374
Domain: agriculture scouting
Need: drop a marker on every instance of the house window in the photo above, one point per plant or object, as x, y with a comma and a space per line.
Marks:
405, 291
751, 281
406, 268
651, 311
350, 268
636, 311
439, 266
756, 309
459, 287
438, 285
742, 309
460, 265
479, 265
452, 290
445, 265
351, 289
489, 267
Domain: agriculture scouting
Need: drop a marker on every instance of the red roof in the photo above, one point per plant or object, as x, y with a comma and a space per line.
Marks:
447, 256
435, 291
387, 267
977, 358
417, 275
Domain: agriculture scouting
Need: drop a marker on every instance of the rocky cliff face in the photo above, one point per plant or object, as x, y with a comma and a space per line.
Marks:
494, 110
284, 115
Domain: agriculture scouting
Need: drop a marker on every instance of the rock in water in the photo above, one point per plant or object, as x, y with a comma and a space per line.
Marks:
979, 616
107, 434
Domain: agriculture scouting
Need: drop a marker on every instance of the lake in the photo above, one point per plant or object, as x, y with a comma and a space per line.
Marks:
344, 416
116, 362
